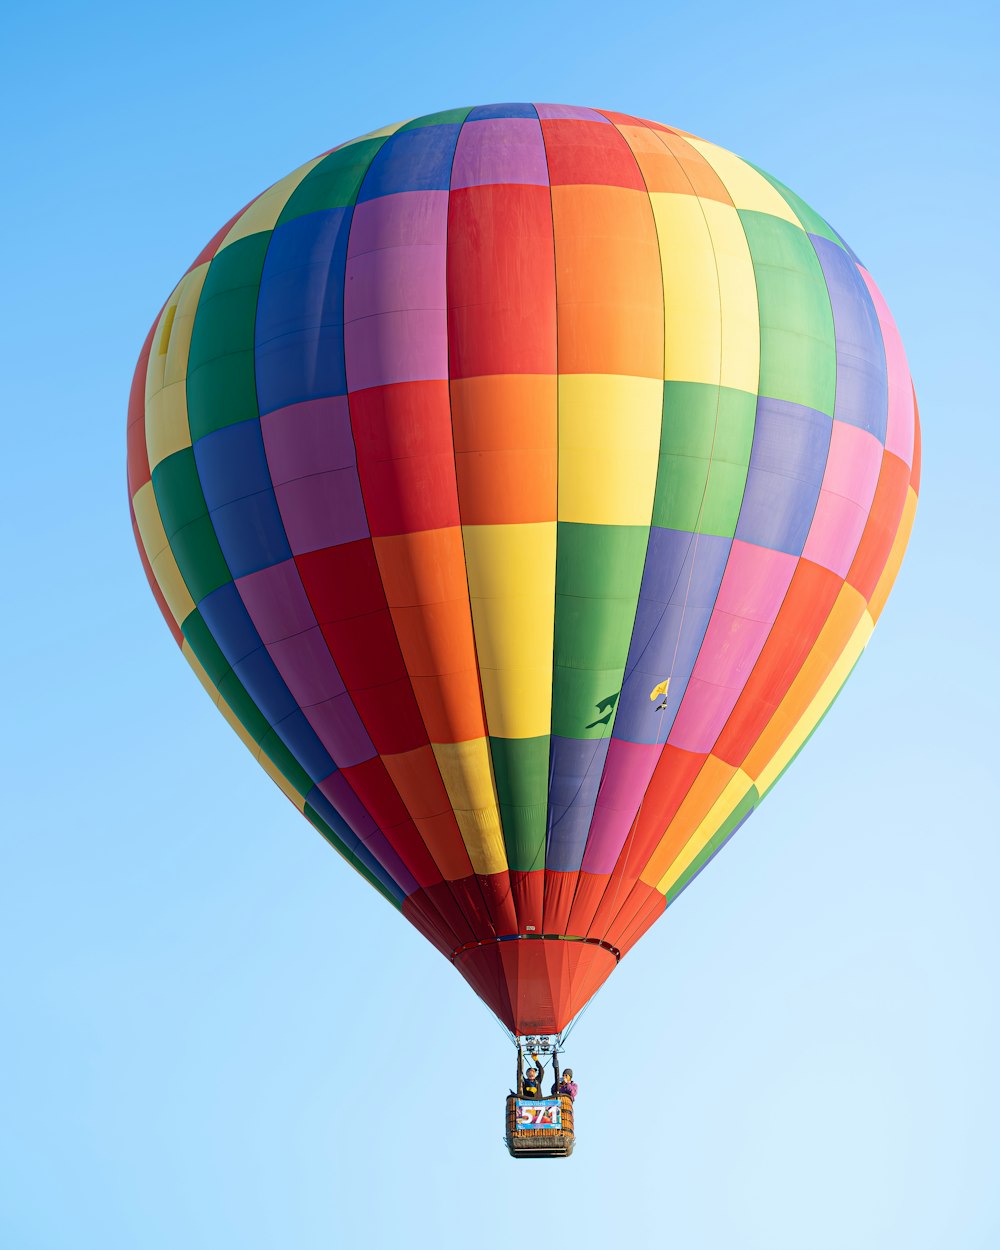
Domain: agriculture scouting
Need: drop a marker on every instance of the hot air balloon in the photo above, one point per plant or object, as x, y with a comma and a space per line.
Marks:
522, 483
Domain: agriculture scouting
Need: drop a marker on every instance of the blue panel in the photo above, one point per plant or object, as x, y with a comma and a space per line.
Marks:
680, 583
264, 684
229, 623
787, 462
575, 771
486, 111
299, 332
251, 534
300, 738
412, 160
231, 463
862, 385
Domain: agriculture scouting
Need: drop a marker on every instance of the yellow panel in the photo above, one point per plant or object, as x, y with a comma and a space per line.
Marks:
467, 773
148, 521
814, 713
719, 813
609, 443
746, 186
175, 592
188, 294
512, 571
711, 326
885, 582
264, 212
167, 428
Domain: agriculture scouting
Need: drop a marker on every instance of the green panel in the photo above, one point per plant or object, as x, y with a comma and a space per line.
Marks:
725, 832
246, 711
285, 762
798, 349
811, 220
447, 117
598, 575
178, 493
320, 824
205, 648
221, 385
521, 770
334, 182
199, 558
705, 441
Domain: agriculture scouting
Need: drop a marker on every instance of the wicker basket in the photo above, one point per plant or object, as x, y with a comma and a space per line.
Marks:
533, 1143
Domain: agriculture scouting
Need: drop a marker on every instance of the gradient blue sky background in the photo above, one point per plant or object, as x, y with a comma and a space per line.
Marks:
215, 1035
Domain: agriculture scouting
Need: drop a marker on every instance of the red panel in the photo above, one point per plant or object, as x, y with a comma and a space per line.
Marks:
501, 281
138, 457
810, 598
342, 581
528, 889
419, 912
482, 969
673, 777
588, 895
496, 891
581, 153
559, 890
406, 459
443, 899
882, 526
470, 897
380, 798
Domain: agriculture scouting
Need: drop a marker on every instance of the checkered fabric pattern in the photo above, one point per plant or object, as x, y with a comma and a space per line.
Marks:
466, 436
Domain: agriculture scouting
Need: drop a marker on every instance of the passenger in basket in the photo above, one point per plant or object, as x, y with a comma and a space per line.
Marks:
531, 1085
566, 1086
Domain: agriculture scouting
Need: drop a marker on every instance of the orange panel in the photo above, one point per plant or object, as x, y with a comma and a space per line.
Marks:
707, 787
671, 165
506, 448
608, 288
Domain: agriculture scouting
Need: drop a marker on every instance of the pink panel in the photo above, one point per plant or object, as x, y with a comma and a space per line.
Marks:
899, 431
395, 278
704, 712
754, 583
627, 772
852, 470
569, 111
397, 347
500, 150
399, 221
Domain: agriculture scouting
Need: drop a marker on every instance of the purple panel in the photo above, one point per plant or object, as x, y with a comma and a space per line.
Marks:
575, 769
680, 582
307, 668
386, 867
339, 727
394, 279
412, 160
862, 386
500, 152
347, 803
787, 462
397, 347
263, 683
298, 335
570, 111
276, 601
308, 438
322, 511
626, 776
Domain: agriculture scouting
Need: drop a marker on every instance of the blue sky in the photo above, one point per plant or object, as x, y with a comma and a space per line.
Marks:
215, 1035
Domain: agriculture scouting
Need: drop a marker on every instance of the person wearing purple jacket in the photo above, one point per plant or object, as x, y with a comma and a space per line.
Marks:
566, 1085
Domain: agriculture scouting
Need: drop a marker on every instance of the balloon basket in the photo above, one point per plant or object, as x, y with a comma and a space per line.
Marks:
540, 1128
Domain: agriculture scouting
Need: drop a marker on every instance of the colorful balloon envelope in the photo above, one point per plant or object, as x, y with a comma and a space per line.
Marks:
522, 483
